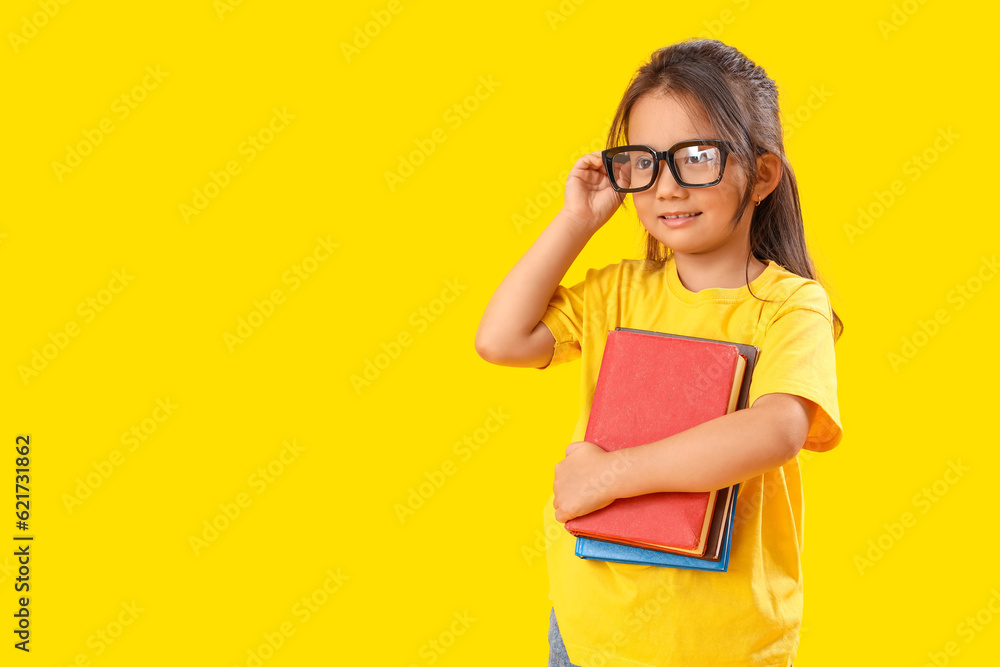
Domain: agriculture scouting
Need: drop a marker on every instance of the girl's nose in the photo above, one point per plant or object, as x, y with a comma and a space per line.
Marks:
666, 187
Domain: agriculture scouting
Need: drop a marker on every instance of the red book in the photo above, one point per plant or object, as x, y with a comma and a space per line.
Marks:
650, 387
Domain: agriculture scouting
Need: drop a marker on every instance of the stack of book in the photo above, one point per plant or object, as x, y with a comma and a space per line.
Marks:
650, 386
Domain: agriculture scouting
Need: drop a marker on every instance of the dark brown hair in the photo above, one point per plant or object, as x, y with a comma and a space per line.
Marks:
741, 103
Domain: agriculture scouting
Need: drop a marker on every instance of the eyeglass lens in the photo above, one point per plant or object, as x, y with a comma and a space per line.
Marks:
696, 165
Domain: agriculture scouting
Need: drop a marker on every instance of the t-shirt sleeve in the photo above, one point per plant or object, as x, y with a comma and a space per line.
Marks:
564, 318
797, 357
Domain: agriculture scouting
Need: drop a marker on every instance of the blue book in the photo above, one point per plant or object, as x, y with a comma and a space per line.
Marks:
624, 553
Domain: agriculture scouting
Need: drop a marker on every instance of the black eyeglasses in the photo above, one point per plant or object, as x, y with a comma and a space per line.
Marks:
693, 164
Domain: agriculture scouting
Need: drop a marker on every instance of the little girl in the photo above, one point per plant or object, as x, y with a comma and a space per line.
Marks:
697, 142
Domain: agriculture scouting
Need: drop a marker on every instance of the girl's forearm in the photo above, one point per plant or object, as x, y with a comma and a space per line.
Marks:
717, 453
518, 304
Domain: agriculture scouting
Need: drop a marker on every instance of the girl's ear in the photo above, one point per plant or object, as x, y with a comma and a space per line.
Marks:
768, 174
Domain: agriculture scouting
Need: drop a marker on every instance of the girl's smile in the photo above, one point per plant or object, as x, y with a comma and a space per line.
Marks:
678, 219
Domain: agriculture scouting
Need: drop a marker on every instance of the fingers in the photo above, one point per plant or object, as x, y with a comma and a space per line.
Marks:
561, 515
592, 160
591, 171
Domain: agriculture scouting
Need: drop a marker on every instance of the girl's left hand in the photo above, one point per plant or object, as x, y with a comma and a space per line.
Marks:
583, 481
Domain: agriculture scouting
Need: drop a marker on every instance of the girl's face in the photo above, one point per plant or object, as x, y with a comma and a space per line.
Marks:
660, 121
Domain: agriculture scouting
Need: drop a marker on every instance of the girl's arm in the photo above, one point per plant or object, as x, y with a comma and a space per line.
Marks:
712, 455
511, 332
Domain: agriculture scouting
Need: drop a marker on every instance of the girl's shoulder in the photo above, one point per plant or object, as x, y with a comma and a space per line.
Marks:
790, 291
623, 271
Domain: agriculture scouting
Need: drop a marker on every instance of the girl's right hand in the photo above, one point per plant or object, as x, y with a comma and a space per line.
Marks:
590, 199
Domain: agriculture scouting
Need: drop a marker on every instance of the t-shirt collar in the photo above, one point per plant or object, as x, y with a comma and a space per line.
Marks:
716, 293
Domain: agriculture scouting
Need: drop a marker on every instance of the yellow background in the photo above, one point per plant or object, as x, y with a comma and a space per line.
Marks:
558, 70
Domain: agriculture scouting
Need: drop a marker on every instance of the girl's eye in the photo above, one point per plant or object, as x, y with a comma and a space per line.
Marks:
701, 157
643, 163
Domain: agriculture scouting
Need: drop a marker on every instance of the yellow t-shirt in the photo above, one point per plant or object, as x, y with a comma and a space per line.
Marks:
637, 615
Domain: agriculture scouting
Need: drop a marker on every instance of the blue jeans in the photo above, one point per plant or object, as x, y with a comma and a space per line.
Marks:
557, 650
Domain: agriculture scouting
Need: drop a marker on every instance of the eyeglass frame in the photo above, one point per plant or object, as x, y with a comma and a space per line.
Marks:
608, 155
